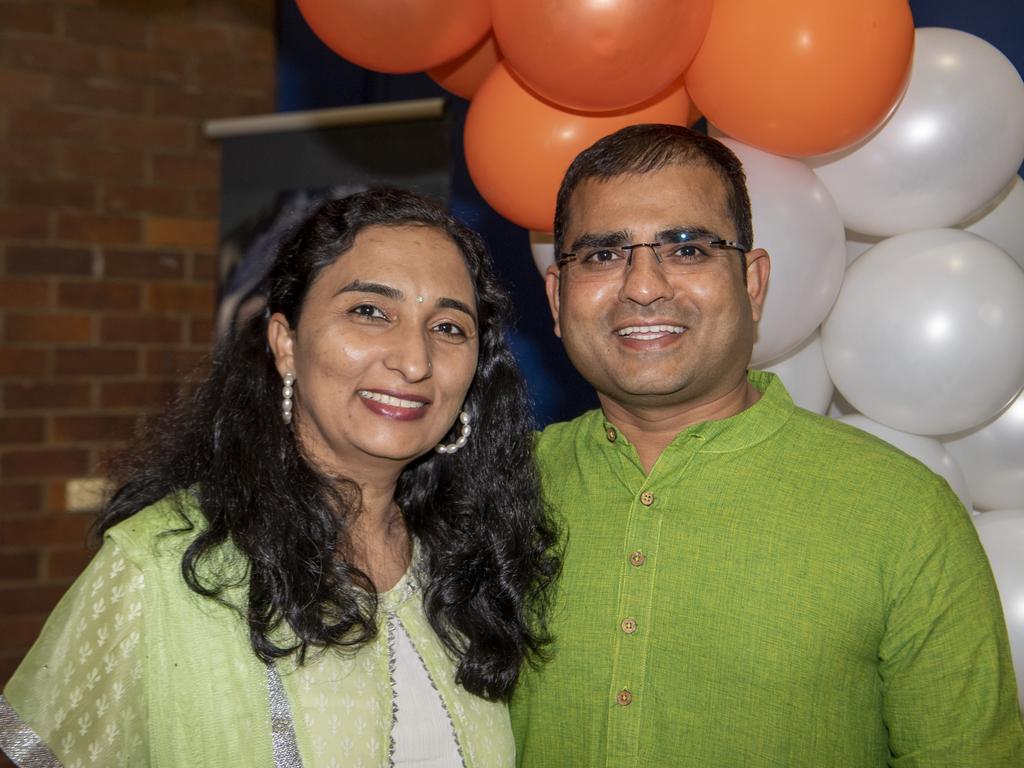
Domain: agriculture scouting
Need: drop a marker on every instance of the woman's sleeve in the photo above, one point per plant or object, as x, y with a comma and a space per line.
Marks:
78, 698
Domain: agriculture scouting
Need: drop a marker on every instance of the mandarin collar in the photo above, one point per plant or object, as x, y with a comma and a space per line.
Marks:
742, 430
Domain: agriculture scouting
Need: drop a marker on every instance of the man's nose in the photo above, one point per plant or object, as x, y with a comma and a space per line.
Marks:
645, 281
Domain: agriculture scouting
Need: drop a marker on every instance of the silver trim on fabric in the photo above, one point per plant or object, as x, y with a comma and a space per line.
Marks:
392, 666
282, 729
21, 744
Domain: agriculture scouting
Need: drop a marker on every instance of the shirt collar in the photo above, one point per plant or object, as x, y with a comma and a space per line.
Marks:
742, 430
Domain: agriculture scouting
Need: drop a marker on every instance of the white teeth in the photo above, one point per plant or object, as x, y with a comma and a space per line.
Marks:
389, 400
646, 332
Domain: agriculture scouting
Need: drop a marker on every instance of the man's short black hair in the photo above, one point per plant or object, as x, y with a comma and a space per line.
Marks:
651, 147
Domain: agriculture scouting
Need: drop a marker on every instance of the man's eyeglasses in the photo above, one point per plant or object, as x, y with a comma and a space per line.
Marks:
684, 253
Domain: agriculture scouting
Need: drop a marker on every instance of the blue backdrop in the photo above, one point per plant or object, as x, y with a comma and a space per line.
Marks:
311, 76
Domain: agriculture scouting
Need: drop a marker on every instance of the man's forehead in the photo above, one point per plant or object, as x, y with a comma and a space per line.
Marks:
684, 175
685, 190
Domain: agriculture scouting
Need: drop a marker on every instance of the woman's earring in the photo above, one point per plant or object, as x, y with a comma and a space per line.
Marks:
286, 397
463, 436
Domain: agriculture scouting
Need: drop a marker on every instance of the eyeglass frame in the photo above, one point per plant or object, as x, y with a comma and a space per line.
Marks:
567, 257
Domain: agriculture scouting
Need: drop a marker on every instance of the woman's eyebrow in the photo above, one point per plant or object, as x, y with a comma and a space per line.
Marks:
447, 303
388, 291
360, 286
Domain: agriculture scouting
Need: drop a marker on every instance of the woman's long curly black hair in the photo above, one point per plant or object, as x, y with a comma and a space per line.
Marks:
487, 543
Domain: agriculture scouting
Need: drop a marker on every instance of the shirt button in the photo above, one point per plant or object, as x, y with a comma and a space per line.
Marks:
624, 698
611, 434
637, 559
647, 498
628, 626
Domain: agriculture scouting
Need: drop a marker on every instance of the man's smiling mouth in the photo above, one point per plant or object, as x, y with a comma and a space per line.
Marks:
647, 332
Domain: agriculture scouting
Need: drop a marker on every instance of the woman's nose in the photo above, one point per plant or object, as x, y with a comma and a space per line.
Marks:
409, 354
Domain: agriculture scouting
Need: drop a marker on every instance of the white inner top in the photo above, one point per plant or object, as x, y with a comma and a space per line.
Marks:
423, 733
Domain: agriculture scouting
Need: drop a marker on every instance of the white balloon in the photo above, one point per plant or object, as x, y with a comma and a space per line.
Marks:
927, 335
542, 246
992, 459
805, 376
1002, 220
796, 221
927, 450
954, 140
857, 243
839, 406
716, 133
1002, 535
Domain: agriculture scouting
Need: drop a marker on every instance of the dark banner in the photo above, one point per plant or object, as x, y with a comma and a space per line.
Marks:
275, 169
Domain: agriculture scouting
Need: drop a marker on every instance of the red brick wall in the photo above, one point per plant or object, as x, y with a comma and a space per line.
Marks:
108, 206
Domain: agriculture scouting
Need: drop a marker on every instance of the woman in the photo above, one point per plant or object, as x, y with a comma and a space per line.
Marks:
334, 552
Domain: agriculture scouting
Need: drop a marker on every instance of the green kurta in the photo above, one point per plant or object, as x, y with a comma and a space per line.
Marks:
780, 590
134, 669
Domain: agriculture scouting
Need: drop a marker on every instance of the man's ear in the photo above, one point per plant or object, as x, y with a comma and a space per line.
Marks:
281, 338
552, 285
758, 269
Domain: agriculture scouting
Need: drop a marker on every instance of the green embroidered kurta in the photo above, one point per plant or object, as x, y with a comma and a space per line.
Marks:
134, 669
780, 590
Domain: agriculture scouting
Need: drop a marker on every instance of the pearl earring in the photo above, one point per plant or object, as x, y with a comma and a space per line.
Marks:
286, 397
462, 439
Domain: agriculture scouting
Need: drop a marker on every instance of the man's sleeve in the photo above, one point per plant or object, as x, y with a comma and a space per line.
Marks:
950, 698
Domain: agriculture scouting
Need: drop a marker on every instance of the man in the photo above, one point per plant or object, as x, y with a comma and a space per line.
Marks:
744, 583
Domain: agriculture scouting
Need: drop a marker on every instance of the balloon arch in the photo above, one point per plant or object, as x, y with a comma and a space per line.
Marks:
882, 164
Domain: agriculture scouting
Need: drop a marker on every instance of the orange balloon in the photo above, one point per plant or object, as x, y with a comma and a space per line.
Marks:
599, 55
518, 146
398, 36
463, 75
803, 77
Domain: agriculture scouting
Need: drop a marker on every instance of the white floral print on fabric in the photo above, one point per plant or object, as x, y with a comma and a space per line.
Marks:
82, 688
93, 709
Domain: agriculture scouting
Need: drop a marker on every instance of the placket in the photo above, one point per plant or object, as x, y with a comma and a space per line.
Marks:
634, 620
